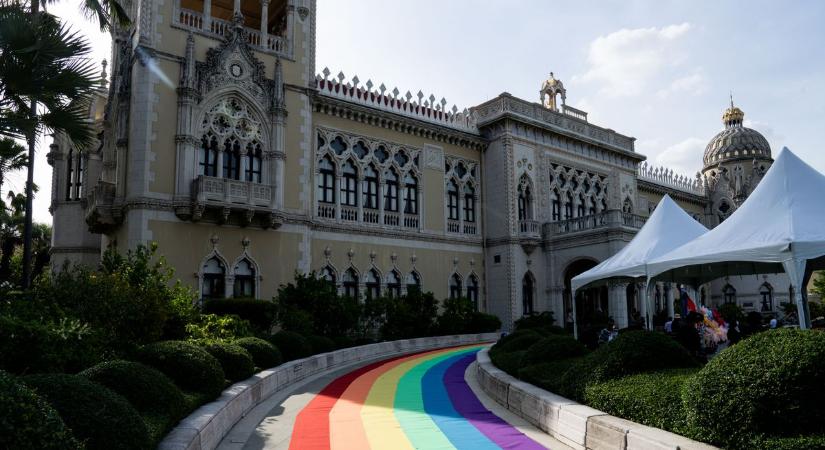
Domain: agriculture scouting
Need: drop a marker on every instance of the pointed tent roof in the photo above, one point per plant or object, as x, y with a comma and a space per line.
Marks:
667, 228
780, 223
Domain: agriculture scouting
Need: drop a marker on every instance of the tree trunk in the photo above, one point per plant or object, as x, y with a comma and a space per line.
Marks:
27, 230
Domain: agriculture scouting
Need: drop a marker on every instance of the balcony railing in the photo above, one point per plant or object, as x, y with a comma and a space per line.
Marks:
410, 221
612, 219
470, 228
529, 229
371, 215
220, 28
232, 191
392, 219
326, 210
453, 226
349, 213
101, 212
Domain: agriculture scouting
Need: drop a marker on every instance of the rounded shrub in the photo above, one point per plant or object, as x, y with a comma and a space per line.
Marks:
264, 354
29, 422
520, 340
630, 353
189, 366
292, 345
767, 385
320, 344
236, 362
553, 348
97, 416
146, 388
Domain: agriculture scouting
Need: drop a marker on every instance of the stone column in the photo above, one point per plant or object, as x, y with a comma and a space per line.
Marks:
670, 297
264, 22
207, 15
617, 302
236, 9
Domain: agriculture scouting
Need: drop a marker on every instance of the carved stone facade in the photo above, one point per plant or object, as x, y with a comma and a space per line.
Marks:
253, 166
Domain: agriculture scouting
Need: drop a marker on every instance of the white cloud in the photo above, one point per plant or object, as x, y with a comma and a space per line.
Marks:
684, 158
629, 61
693, 84
777, 141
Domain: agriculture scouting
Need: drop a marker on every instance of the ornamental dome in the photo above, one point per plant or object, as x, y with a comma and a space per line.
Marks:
735, 142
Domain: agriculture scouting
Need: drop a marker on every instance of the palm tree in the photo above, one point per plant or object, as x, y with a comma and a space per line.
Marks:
12, 157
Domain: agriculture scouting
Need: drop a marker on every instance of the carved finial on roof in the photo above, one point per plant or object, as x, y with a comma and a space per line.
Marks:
104, 77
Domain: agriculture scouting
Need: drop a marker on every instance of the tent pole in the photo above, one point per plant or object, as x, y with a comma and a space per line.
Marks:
796, 270
575, 319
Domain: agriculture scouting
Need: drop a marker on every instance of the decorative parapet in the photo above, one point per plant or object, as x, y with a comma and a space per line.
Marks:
568, 121
426, 109
613, 219
670, 179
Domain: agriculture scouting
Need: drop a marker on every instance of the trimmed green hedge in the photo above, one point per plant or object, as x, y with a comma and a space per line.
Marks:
264, 354
816, 442
769, 384
630, 353
509, 362
652, 399
29, 422
546, 375
292, 345
520, 340
191, 367
553, 348
99, 417
236, 362
30, 347
147, 389
321, 344
259, 313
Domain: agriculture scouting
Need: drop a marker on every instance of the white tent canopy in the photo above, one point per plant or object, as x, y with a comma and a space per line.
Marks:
667, 228
781, 226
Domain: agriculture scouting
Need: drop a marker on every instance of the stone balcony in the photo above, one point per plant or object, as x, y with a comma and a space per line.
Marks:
102, 213
218, 28
224, 200
529, 233
612, 219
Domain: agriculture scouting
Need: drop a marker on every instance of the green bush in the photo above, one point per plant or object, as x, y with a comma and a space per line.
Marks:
651, 399
292, 345
553, 348
147, 389
630, 353
32, 347
480, 322
509, 362
259, 313
97, 416
458, 316
410, 316
769, 384
236, 362
29, 422
814, 442
321, 344
520, 340
264, 354
191, 367
212, 327
343, 342
311, 305
546, 375
731, 311
543, 319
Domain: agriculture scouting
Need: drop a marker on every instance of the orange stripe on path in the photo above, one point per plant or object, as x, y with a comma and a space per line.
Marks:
346, 428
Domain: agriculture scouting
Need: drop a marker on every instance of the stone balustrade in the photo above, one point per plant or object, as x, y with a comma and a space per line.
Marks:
668, 178
229, 191
605, 219
219, 28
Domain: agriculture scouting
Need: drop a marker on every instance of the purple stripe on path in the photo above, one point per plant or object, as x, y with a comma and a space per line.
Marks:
468, 405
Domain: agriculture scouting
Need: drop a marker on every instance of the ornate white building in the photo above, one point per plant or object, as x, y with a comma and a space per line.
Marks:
220, 141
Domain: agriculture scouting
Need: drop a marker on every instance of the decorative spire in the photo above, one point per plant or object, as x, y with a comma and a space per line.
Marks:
187, 78
104, 77
733, 116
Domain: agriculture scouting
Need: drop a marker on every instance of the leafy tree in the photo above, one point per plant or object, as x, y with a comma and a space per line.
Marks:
412, 315
310, 305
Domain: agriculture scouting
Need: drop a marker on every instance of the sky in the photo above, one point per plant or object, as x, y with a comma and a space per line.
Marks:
660, 71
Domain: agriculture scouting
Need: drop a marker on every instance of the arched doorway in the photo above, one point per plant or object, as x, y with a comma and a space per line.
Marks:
591, 303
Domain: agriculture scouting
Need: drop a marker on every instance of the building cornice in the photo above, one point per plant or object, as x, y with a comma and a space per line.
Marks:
676, 194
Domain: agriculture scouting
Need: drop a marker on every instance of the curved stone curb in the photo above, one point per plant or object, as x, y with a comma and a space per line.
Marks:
576, 425
206, 426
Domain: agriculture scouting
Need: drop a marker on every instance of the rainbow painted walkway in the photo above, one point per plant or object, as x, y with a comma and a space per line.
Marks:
418, 401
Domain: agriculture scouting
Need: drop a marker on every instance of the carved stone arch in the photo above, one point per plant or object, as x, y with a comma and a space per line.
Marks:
214, 254
332, 269
455, 285
230, 92
410, 278
245, 255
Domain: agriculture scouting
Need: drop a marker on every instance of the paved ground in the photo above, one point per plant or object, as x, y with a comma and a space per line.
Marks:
427, 400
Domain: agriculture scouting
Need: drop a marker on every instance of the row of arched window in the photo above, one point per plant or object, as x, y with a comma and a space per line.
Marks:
461, 186
765, 295
231, 142
214, 278
368, 189
75, 166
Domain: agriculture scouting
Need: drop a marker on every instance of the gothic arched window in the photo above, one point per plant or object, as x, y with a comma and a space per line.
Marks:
413, 282
469, 204
452, 200
230, 131
328, 274
254, 156
350, 283
244, 285
326, 181
568, 206
556, 206
580, 208
74, 176
370, 187
209, 156
349, 185
391, 191
455, 286
373, 284
527, 288
232, 159
212, 283
730, 294
472, 290
410, 194
394, 284
766, 294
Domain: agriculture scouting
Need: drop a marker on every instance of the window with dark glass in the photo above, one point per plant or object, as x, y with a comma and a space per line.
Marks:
232, 160
350, 283
209, 156
413, 282
410, 194
730, 294
472, 291
524, 204
391, 191
74, 177
372, 284
253, 162
568, 207
766, 292
214, 275
469, 204
349, 185
370, 188
580, 208
455, 286
527, 295
244, 286
326, 181
452, 200
556, 208
394, 284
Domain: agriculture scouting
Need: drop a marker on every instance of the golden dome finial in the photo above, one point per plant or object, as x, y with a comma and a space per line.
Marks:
733, 116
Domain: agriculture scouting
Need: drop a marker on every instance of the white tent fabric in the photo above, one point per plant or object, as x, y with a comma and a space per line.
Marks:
780, 226
667, 228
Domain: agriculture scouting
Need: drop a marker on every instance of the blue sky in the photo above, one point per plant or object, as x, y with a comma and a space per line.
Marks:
660, 71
